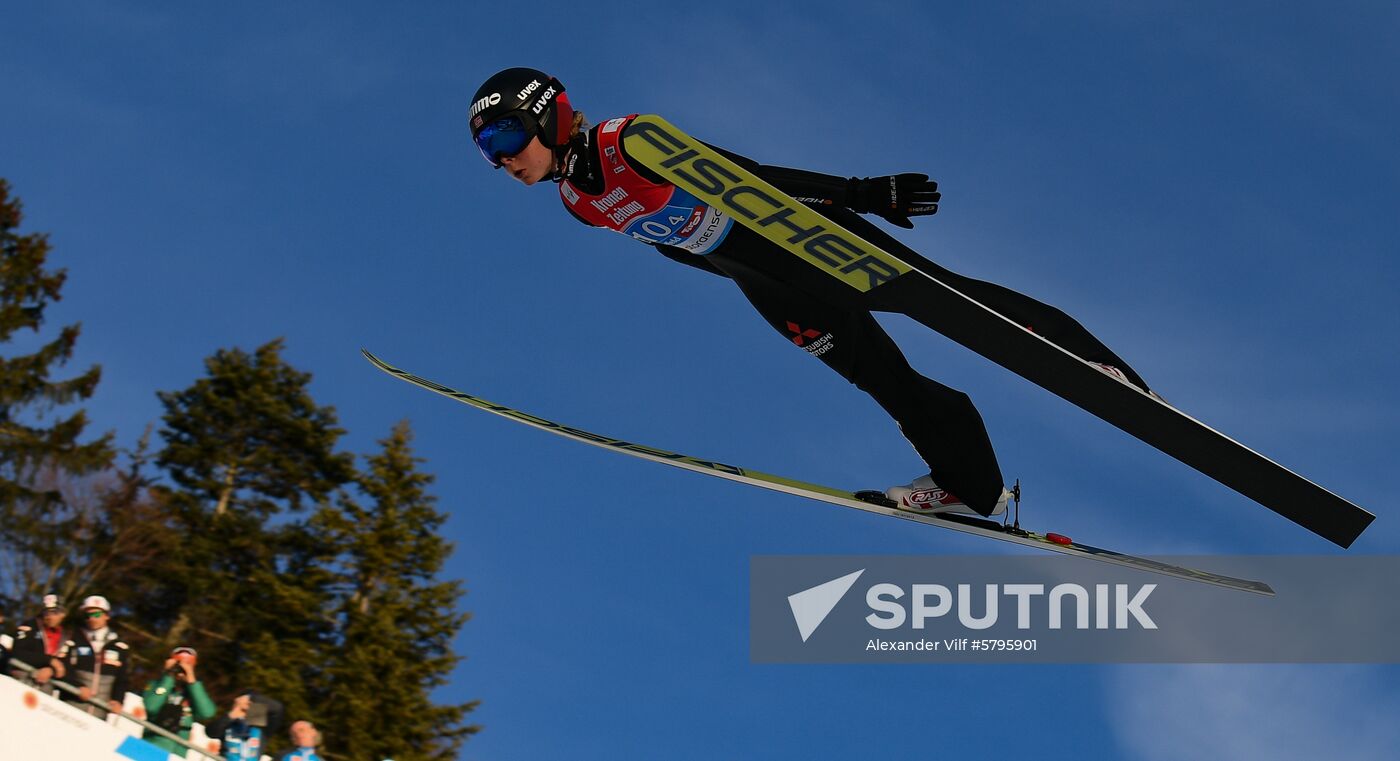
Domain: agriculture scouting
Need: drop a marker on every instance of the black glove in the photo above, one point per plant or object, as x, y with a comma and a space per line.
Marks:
895, 198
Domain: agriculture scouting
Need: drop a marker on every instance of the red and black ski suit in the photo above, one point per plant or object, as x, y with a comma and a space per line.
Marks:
602, 187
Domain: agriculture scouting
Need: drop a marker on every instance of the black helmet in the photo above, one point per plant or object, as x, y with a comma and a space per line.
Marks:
515, 105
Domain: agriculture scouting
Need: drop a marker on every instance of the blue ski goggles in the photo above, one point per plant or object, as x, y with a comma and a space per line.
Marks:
504, 138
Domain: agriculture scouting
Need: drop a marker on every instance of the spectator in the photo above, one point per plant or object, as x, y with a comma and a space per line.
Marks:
307, 739
96, 659
37, 644
240, 732
176, 700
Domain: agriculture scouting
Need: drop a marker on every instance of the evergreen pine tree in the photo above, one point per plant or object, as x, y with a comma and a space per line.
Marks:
397, 619
246, 448
36, 454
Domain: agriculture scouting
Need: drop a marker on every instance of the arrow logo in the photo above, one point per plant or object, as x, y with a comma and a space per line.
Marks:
810, 607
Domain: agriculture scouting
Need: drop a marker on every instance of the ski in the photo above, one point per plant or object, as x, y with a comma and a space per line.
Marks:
727, 187
871, 502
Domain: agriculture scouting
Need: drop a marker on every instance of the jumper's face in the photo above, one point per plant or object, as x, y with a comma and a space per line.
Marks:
532, 164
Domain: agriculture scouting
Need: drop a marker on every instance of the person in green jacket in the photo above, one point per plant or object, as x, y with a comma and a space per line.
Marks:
177, 700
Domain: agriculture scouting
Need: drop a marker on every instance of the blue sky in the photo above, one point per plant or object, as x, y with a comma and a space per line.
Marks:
1211, 190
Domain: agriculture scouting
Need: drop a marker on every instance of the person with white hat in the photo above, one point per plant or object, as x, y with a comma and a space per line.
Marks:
96, 659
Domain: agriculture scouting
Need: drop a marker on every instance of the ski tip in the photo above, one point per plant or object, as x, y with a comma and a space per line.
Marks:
379, 363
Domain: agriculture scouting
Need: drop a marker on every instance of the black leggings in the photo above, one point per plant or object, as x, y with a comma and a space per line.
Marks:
834, 323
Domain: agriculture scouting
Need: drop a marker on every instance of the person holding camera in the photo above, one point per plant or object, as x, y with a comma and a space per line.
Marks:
241, 731
176, 700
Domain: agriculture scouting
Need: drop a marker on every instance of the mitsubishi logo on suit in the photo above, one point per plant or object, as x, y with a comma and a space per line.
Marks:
801, 336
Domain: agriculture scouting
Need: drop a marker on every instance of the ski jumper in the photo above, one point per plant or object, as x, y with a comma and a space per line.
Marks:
602, 187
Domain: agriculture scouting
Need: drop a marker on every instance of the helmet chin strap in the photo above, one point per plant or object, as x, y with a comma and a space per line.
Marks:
556, 173
560, 157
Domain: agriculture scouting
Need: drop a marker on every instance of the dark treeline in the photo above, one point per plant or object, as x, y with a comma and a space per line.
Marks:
239, 529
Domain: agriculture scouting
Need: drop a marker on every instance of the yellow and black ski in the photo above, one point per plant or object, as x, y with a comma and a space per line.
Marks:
871, 502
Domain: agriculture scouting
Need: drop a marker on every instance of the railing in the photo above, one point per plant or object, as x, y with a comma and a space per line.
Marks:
77, 697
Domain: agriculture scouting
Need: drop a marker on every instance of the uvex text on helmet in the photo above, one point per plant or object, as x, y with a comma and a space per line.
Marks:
535, 97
